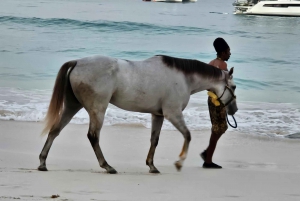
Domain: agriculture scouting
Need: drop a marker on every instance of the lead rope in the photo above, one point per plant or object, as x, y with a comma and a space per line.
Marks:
229, 122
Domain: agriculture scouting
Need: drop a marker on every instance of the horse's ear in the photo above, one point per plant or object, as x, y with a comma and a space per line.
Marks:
231, 71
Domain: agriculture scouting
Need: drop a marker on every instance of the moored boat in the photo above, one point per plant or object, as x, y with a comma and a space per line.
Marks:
172, 1
267, 7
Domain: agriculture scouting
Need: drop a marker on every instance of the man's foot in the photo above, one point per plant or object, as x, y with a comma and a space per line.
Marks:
203, 155
211, 166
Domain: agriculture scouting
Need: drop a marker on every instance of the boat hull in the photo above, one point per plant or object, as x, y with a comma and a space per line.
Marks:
271, 8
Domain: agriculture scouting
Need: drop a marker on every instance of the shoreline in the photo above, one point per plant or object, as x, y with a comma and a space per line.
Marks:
261, 118
254, 168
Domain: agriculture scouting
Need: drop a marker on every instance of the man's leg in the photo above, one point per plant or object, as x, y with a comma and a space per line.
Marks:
219, 126
211, 147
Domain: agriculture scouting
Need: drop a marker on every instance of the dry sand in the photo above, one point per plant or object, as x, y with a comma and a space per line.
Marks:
254, 168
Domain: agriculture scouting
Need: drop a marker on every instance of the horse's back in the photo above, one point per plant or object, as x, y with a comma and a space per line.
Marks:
131, 85
144, 86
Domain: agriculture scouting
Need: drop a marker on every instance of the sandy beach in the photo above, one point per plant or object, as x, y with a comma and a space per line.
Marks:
254, 168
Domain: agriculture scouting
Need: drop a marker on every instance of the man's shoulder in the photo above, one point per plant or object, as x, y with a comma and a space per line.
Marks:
215, 63
223, 65
212, 62
218, 64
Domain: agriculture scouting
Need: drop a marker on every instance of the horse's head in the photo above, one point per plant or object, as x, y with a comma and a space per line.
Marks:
225, 92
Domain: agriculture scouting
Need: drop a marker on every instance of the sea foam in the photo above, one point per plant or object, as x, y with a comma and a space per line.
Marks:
271, 119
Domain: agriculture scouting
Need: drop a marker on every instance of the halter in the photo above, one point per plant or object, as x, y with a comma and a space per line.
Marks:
233, 97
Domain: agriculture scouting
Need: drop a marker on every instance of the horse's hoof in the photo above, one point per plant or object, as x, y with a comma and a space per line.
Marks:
111, 171
178, 165
155, 171
42, 168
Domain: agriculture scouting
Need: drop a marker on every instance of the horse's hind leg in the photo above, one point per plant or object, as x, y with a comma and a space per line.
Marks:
177, 120
67, 114
96, 122
157, 122
71, 107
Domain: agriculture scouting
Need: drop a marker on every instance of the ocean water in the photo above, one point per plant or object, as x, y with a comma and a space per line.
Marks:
38, 36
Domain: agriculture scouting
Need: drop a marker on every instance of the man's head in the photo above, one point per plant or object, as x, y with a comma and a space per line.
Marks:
222, 49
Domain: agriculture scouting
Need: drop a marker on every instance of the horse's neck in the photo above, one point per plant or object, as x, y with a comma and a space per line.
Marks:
200, 83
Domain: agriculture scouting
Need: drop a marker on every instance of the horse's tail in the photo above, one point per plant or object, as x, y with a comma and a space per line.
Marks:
56, 104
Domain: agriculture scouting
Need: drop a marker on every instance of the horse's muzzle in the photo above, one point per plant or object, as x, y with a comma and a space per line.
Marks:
232, 108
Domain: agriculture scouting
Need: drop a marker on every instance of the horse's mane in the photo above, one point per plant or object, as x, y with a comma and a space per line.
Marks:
191, 66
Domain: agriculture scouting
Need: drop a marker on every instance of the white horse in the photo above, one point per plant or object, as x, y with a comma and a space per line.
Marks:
160, 85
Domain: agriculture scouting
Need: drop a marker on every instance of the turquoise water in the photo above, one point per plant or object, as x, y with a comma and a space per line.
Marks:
38, 36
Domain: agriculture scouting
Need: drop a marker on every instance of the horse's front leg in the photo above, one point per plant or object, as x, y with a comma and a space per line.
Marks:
176, 118
157, 122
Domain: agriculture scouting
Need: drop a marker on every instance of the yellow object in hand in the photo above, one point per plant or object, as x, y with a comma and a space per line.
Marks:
212, 95
214, 98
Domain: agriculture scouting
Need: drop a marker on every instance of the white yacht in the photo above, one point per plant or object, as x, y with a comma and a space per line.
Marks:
267, 7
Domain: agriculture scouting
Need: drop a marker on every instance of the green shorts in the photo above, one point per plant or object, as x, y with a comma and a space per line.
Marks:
217, 117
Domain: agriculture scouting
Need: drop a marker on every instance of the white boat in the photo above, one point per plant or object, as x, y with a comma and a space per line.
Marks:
172, 1
267, 7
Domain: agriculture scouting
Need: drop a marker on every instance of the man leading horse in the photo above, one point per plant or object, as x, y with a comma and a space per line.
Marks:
217, 113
